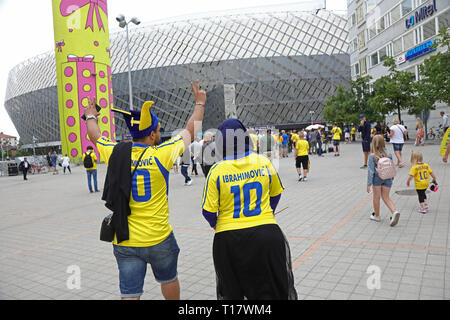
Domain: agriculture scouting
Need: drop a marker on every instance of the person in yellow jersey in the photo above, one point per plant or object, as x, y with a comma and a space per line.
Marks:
294, 137
89, 161
137, 195
336, 131
301, 157
251, 255
420, 172
353, 133
254, 139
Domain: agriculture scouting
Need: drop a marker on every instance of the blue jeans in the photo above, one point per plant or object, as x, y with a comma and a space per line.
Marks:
92, 173
320, 147
132, 263
184, 172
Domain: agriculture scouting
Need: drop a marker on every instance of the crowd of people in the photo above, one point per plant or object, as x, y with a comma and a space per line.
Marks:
241, 192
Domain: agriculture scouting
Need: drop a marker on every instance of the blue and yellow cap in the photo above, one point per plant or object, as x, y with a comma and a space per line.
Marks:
140, 123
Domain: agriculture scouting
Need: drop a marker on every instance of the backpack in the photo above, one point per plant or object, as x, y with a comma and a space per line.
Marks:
386, 168
87, 162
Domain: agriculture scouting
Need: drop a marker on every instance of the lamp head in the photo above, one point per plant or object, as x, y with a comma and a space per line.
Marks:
120, 18
135, 20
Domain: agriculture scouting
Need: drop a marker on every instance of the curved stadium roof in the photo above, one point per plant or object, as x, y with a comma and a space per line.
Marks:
204, 47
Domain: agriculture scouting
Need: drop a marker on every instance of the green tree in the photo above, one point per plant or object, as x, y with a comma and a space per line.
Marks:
393, 92
435, 71
434, 82
338, 105
347, 104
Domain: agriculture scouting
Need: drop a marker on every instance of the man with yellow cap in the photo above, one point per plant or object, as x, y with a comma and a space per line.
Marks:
137, 195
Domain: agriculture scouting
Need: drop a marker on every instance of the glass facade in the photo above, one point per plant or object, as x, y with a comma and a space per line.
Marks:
281, 64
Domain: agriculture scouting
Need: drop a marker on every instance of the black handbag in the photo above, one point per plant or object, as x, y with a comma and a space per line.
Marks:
107, 230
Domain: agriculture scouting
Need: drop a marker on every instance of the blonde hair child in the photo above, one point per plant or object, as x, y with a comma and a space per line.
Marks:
421, 173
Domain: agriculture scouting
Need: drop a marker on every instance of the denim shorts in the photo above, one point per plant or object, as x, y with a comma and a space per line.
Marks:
366, 145
398, 146
377, 181
336, 142
132, 263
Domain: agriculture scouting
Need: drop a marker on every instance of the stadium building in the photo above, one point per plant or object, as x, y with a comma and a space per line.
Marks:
270, 66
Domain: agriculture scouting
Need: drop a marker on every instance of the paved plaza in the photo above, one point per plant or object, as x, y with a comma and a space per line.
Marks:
50, 234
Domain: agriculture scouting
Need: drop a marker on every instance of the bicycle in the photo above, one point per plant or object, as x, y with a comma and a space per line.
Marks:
38, 169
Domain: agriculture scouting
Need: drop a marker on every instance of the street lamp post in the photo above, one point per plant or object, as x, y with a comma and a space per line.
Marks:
34, 146
124, 24
311, 112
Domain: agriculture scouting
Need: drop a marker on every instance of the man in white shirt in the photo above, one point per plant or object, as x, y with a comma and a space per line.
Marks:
196, 150
397, 138
445, 121
24, 166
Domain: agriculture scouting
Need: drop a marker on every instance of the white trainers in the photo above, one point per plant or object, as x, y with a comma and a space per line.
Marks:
188, 183
394, 218
305, 178
374, 217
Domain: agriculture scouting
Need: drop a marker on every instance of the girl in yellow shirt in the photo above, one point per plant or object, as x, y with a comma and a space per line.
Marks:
421, 173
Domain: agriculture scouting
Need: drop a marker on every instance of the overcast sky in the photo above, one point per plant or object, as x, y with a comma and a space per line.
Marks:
26, 27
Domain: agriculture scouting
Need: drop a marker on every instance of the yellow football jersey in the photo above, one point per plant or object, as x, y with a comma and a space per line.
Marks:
94, 160
254, 140
421, 173
336, 133
148, 222
240, 190
302, 147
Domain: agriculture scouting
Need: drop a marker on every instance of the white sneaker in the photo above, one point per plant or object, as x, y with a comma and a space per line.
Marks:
305, 178
374, 217
188, 183
394, 218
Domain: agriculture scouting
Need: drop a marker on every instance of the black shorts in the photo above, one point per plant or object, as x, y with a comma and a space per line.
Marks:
366, 146
253, 263
422, 195
302, 161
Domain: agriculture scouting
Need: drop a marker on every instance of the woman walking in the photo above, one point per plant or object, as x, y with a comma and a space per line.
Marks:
397, 138
381, 187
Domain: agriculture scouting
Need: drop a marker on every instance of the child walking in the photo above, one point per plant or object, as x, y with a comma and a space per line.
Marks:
381, 187
421, 173
301, 156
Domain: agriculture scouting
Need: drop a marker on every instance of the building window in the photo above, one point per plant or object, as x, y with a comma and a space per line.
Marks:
398, 46
380, 25
374, 59
408, 40
418, 35
444, 19
406, 7
382, 53
360, 14
353, 19
372, 32
363, 66
355, 69
412, 70
429, 29
395, 14
361, 41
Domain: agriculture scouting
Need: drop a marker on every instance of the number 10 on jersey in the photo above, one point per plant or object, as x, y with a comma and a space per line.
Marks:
246, 191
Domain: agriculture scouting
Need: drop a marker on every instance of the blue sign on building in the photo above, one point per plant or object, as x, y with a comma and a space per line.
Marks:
420, 50
421, 14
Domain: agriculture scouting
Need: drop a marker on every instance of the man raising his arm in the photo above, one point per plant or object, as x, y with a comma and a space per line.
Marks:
143, 234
